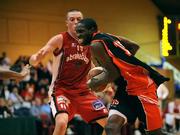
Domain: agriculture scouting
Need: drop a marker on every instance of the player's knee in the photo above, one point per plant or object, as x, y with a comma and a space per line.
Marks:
114, 124
61, 122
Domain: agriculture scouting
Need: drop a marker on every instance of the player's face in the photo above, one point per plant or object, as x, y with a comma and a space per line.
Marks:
72, 19
84, 35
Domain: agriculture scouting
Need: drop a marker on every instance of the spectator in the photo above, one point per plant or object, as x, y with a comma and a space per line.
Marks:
162, 93
42, 118
172, 115
6, 92
16, 100
5, 61
42, 93
4, 111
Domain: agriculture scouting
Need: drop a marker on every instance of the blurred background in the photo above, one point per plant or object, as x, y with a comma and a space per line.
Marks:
25, 26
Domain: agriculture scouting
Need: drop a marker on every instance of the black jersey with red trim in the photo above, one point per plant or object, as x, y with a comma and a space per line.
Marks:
136, 73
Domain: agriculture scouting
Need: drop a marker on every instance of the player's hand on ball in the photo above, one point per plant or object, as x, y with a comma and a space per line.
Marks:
98, 79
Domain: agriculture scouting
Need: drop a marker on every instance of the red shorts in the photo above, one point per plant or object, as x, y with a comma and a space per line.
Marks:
73, 102
151, 108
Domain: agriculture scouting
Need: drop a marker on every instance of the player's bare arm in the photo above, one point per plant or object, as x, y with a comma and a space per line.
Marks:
103, 60
9, 74
54, 43
130, 45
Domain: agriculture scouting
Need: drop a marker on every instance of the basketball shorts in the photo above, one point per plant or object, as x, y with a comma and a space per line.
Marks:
83, 103
144, 107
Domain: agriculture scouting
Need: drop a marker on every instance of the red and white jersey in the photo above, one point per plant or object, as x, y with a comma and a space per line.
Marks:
71, 65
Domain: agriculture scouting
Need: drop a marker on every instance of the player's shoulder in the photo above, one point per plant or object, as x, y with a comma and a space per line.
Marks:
55, 41
56, 38
96, 45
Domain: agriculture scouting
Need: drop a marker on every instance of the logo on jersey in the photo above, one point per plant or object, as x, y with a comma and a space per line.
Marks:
62, 102
98, 105
115, 102
74, 44
60, 99
77, 56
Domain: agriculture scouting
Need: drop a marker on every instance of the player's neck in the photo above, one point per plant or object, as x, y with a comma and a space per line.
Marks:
73, 35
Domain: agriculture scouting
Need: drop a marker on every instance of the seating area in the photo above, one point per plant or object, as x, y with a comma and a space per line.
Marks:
25, 104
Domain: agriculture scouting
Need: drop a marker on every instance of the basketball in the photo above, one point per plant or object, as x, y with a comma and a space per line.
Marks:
101, 88
94, 72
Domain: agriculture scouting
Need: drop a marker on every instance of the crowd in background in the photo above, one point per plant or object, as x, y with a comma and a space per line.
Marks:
29, 98
26, 98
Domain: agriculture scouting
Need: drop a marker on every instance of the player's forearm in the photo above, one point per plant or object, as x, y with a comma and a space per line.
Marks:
7, 74
33, 60
133, 47
113, 73
128, 41
129, 45
36, 58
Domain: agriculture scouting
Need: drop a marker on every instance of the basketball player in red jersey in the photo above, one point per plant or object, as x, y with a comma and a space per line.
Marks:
69, 90
136, 82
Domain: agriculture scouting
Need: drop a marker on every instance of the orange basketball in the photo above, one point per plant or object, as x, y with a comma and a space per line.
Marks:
94, 72
100, 88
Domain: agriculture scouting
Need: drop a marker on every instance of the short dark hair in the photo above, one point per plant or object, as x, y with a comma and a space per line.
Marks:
89, 23
72, 10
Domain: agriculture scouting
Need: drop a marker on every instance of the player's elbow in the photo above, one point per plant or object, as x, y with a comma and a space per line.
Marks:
33, 60
136, 48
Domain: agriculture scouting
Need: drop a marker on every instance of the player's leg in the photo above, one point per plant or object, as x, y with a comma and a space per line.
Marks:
116, 118
92, 109
102, 122
61, 122
120, 113
115, 122
60, 106
154, 132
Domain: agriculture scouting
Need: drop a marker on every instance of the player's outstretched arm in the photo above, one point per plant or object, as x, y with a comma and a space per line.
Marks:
9, 74
54, 43
130, 45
